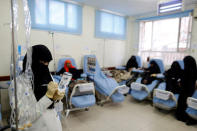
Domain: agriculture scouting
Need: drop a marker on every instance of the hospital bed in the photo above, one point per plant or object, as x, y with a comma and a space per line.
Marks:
106, 88
165, 99
134, 72
141, 91
192, 106
124, 90
82, 95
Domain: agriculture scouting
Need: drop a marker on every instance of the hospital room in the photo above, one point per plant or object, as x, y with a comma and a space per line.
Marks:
98, 65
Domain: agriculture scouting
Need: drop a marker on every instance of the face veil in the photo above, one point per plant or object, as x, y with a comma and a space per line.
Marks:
41, 74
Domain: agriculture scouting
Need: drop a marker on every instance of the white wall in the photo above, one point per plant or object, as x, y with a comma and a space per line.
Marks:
5, 37
133, 38
109, 52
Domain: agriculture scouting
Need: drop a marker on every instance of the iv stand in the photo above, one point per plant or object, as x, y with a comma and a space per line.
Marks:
13, 71
52, 35
104, 53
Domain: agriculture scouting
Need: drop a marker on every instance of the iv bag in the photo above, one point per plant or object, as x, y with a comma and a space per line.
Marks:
66, 78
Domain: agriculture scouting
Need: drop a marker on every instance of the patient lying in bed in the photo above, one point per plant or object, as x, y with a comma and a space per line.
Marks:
121, 75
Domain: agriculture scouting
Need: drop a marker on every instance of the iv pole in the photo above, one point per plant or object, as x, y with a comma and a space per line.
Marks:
13, 71
52, 35
104, 53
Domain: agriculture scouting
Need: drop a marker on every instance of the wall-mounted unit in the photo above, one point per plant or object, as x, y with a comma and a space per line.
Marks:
169, 6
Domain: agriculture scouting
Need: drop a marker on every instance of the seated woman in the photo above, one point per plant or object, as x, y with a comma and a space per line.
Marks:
132, 63
150, 73
68, 67
121, 75
173, 78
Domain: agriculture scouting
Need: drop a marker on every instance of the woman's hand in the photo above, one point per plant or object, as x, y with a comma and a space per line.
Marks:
153, 75
52, 88
58, 95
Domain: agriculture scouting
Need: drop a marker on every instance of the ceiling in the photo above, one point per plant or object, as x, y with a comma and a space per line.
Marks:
128, 7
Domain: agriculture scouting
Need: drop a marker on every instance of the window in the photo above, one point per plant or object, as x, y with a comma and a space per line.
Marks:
110, 26
167, 39
56, 15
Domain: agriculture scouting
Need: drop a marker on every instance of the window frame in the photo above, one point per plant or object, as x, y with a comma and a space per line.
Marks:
189, 35
52, 27
107, 35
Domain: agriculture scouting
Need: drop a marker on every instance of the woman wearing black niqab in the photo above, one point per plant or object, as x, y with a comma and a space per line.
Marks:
188, 88
132, 63
41, 115
41, 56
153, 69
173, 78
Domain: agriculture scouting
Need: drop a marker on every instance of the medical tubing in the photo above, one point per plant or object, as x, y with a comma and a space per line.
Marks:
14, 9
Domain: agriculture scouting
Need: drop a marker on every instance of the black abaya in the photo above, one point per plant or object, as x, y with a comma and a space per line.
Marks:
188, 87
132, 63
40, 71
154, 69
173, 78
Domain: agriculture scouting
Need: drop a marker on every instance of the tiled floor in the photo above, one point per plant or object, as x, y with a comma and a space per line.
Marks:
127, 116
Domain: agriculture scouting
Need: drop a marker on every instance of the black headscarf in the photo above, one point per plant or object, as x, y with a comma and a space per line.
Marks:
190, 74
173, 77
154, 69
175, 70
40, 71
188, 87
132, 63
